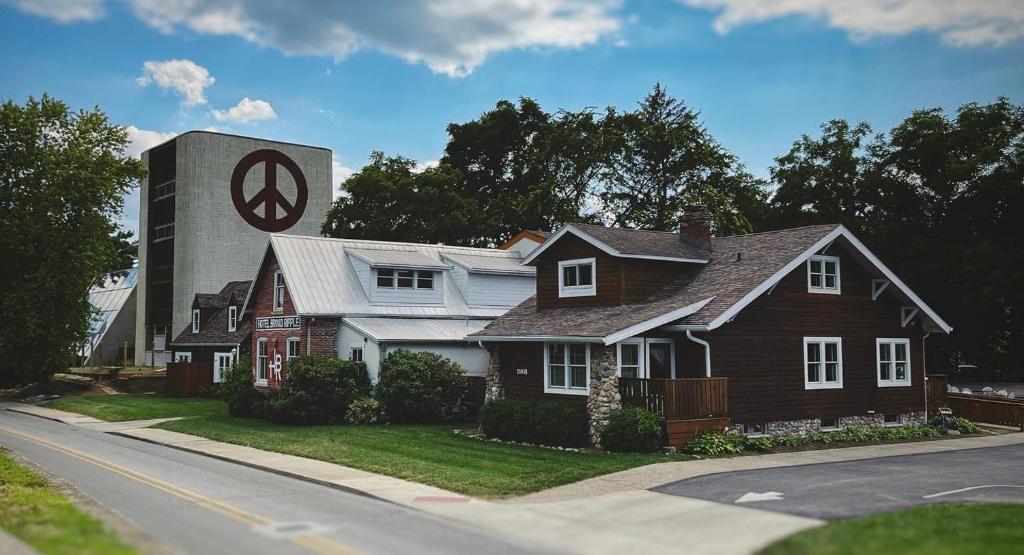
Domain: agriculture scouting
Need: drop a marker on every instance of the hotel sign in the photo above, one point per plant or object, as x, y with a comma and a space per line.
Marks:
278, 323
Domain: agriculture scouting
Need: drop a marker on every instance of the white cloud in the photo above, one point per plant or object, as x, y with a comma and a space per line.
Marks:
958, 22
449, 36
61, 11
424, 166
246, 111
142, 140
186, 77
339, 173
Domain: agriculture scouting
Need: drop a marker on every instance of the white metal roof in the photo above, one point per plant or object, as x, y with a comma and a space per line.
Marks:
411, 258
415, 329
108, 298
322, 281
491, 264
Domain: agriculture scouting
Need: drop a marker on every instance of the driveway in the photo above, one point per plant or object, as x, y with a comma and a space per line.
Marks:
856, 488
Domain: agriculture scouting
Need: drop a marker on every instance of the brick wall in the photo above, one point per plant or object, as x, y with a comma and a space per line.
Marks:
316, 335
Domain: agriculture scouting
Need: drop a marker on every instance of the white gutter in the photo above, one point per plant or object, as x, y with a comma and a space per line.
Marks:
707, 352
924, 371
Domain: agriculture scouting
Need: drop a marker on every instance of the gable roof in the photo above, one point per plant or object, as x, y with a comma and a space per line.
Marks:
719, 289
531, 234
490, 264
628, 243
321, 280
108, 298
408, 259
214, 330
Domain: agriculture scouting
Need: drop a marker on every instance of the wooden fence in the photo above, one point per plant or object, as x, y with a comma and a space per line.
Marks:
988, 410
685, 398
187, 379
476, 389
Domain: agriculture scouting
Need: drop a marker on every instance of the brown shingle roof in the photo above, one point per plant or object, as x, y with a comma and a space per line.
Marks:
636, 242
214, 331
725, 279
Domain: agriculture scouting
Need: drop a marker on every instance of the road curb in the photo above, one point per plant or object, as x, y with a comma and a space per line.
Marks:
18, 410
278, 471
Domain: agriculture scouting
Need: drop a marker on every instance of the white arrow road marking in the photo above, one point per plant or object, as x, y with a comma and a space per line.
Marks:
961, 490
751, 497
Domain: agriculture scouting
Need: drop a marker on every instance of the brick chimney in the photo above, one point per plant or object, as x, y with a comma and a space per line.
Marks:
695, 227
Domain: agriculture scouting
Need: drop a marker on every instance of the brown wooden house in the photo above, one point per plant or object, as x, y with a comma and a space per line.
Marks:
220, 330
779, 332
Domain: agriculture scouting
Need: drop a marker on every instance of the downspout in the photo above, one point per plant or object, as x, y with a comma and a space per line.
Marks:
309, 336
707, 352
924, 371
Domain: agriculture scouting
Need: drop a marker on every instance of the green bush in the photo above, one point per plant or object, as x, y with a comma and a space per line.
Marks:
713, 444
418, 386
317, 390
548, 423
632, 430
364, 410
966, 426
237, 390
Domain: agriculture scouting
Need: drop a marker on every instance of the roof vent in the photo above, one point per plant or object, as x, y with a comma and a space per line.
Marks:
695, 227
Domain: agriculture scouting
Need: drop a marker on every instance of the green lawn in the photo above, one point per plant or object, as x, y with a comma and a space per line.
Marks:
433, 455
928, 530
46, 520
119, 408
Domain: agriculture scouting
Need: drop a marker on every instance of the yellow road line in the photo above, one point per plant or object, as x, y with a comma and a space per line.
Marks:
313, 542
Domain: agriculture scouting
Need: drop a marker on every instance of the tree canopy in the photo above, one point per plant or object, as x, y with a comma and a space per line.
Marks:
63, 176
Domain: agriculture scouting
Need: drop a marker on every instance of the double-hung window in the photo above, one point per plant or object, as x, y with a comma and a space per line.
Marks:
278, 291
576, 278
823, 363
195, 320
293, 348
232, 318
567, 368
629, 359
356, 354
823, 274
893, 362
261, 361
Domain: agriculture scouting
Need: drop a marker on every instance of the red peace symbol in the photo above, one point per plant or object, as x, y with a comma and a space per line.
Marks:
268, 197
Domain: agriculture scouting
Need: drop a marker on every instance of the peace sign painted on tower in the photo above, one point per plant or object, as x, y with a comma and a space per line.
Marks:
269, 197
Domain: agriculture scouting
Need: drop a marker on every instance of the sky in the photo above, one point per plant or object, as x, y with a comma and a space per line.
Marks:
390, 75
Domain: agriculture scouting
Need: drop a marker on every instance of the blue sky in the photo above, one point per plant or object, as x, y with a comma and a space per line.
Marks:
336, 74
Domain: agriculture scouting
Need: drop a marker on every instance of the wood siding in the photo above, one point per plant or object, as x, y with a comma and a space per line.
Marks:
570, 247
528, 356
761, 351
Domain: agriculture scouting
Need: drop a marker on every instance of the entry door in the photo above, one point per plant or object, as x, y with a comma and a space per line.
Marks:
221, 363
661, 357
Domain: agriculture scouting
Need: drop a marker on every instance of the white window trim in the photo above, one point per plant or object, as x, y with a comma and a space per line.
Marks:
415, 279
218, 378
298, 351
362, 353
839, 425
195, 320
256, 370
567, 390
577, 290
277, 275
672, 354
640, 372
893, 382
182, 356
232, 318
838, 384
824, 290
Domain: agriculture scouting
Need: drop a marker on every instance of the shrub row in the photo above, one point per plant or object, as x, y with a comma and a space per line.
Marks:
540, 422
633, 430
730, 443
413, 387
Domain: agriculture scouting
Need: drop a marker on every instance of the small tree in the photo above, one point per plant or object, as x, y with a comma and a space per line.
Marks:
418, 386
63, 176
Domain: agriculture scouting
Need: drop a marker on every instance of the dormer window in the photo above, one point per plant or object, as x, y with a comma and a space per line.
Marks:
195, 320
404, 279
232, 318
576, 278
278, 291
823, 274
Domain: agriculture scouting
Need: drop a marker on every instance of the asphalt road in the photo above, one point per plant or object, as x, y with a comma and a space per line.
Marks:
848, 489
199, 505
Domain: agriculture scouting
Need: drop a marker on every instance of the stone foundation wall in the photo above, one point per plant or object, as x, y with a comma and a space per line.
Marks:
604, 398
813, 425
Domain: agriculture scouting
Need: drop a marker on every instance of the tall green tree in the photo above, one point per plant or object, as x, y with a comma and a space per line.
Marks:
940, 198
63, 176
126, 248
662, 159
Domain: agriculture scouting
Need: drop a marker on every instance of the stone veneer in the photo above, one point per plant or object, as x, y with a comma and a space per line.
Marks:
604, 397
813, 425
495, 388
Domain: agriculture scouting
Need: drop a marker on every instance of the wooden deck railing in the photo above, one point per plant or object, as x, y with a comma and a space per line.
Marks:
677, 398
988, 410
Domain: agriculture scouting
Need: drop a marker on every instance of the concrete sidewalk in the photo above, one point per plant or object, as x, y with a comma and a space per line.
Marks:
609, 514
10, 545
75, 419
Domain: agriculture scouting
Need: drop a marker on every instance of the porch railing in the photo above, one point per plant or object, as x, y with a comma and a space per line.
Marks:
677, 398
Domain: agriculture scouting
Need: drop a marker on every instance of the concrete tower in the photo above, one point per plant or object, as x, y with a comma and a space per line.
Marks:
205, 213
